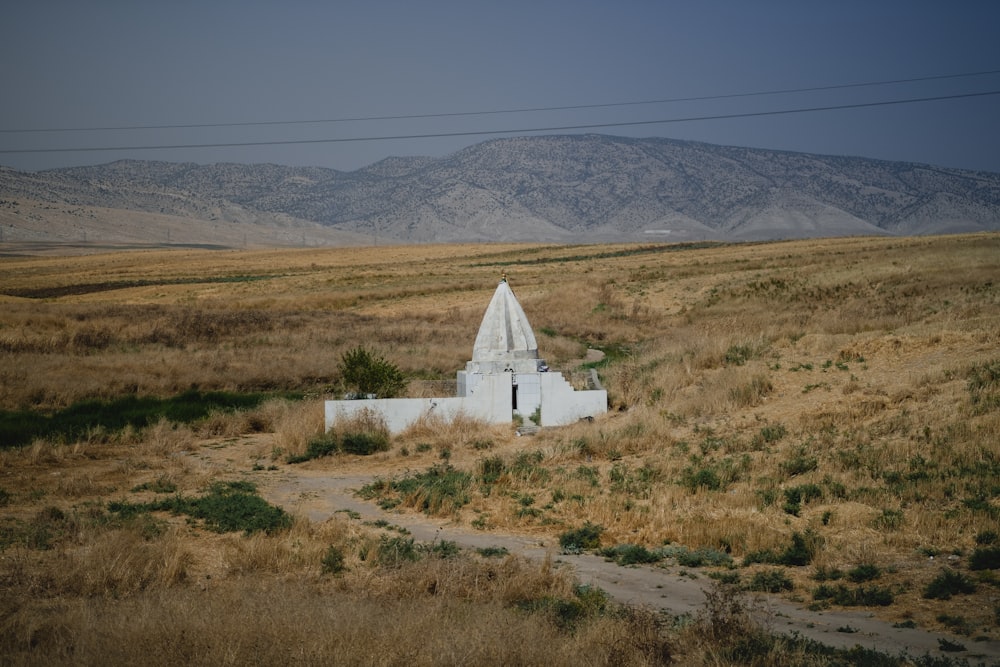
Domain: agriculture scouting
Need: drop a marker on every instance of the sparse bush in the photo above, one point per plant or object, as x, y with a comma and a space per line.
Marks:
796, 495
701, 557
587, 536
392, 552
800, 462
948, 583
630, 554
863, 573
985, 558
325, 444
770, 581
861, 596
333, 560
800, 552
987, 537
364, 444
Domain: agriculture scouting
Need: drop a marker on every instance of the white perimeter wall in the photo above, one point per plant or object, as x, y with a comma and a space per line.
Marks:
491, 401
562, 405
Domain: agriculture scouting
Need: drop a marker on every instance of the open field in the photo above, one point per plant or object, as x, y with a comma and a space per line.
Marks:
815, 419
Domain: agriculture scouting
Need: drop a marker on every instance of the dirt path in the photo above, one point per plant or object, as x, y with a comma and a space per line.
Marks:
318, 495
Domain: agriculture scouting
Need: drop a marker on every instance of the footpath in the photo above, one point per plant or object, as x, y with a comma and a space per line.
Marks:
319, 496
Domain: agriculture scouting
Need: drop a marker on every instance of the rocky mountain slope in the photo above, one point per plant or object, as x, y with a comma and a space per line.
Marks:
573, 188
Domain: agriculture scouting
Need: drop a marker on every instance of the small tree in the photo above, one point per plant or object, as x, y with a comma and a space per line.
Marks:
369, 373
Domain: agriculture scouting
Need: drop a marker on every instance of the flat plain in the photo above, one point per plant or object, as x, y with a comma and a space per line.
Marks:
817, 420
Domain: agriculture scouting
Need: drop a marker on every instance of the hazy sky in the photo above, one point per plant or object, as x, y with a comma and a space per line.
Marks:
129, 63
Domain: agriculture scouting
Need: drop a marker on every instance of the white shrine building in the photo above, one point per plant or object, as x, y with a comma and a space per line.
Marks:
505, 378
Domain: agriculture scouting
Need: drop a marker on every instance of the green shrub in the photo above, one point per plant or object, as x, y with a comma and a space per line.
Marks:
630, 554
705, 478
863, 573
986, 537
586, 537
368, 373
800, 552
321, 445
797, 495
490, 470
333, 561
587, 602
701, 557
395, 551
800, 462
445, 549
770, 581
861, 596
985, 558
773, 433
948, 583
364, 444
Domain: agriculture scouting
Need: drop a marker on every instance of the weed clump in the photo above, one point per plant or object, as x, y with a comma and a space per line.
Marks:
441, 489
576, 541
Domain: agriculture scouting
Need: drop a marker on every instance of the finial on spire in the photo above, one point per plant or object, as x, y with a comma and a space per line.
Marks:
503, 276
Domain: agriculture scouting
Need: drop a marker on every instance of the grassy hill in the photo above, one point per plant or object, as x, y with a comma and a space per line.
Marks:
813, 418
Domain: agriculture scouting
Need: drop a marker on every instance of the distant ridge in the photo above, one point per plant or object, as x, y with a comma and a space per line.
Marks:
568, 188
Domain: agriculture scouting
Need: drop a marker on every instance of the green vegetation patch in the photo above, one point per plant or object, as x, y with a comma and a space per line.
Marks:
438, 490
577, 540
18, 428
587, 602
859, 596
627, 252
107, 286
327, 444
800, 552
227, 507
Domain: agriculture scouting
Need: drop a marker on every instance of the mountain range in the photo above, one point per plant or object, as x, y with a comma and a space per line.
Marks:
565, 188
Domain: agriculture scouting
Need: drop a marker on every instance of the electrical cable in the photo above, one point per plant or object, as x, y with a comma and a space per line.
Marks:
576, 107
557, 128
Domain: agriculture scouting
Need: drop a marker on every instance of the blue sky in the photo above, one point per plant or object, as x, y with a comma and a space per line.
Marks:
134, 63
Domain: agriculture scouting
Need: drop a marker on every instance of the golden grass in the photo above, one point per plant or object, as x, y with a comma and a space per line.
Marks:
841, 364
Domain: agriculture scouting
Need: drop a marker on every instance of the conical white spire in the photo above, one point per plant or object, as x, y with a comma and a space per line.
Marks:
505, 334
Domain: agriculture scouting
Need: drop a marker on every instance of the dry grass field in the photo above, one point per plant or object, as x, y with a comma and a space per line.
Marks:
817, 419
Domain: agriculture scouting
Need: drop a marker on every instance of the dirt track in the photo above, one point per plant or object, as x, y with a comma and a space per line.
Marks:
318, 495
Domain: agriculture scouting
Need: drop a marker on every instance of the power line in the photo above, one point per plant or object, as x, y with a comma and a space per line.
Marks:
576, 107
556, 128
